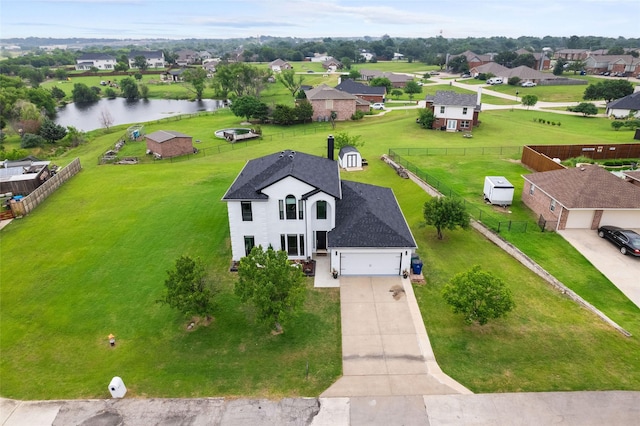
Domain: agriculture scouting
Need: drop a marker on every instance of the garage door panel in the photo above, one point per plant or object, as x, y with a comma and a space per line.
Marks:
370, 263
580, 219
621, 218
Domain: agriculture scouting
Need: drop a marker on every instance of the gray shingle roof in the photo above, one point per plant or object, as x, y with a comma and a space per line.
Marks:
448, 97
323, 92
369, 216
165, 135
356, 88
631, 101
257, 174
346, 149
96, 57
587, 187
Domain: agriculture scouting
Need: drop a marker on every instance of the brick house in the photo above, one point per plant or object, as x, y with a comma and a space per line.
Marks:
371, 94
168, 143
473, 59
583, 197
278, 65
454, 111
325, 100
626, 64
571, 54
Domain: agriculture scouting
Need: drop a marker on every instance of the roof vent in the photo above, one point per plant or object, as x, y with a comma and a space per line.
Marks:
290, 155
281, 155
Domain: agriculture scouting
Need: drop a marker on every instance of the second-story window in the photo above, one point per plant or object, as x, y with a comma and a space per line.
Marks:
290, 206
464, 110
321, 210
247, 214
441, 110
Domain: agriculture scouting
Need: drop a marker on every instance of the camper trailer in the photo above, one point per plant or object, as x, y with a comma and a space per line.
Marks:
498, 190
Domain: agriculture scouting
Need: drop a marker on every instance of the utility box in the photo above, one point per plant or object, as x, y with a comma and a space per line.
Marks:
117, 388
498, 190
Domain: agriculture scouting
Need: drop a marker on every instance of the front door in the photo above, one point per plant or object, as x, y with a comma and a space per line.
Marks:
321, 240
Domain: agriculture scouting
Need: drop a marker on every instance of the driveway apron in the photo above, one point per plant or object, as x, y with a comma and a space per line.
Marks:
385, 350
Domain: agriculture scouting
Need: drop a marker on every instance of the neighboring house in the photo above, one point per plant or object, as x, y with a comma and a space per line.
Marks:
621, 108
204, 55
397, 80
167, 143
186, 57
571, 54
371, 94
23, 177
325, 100
210, 65
543, 62
367, 56
297, 202
317, 57
523, 72
454, 111
397, 56
278, 65
633, 177
349, 158
582, 197
174, 74
155, 58
473, 59
625, 64
101, 61
489, 68
332, 65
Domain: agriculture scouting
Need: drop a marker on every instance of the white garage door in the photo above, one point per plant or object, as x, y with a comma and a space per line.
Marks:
621, 218
580, 219
370, 263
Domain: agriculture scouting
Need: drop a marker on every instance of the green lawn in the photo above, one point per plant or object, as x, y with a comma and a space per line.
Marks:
91, 260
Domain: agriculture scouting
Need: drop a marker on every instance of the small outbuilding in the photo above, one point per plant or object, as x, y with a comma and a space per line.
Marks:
23, 177
168, 143
349, 158
498, 190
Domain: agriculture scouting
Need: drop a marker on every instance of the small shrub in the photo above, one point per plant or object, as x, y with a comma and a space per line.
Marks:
29, 140
358, 115
617, 125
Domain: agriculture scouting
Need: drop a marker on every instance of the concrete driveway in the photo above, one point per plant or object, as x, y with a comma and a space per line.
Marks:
385, 348
622, 271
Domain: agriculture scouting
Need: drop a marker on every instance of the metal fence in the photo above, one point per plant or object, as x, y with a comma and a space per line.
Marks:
491, 221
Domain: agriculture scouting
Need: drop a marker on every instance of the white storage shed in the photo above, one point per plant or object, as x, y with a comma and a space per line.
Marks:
498, 190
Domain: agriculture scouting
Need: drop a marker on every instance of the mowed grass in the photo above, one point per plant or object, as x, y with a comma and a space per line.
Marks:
91, 260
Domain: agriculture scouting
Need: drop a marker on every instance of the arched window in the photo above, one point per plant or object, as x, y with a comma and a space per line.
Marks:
290, 206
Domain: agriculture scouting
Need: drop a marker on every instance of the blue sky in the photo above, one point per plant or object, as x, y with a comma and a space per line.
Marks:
177, 19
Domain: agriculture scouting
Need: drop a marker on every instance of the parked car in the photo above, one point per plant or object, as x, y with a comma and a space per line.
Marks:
378, 105
465, 75
494, 80
434, 73
627, 240
528, 84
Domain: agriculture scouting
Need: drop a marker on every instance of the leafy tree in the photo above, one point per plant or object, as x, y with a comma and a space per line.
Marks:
61, 74
140, 62
505, 58
197, 78
616, 50
29, 140
529, 100
354, 74
586, 108
75, 137
608, 90
138, 76
343, 139
513, 81
412, 88
381, 82
558, 68
576, 66
121, 66
284, 114
304, 111
144, 91
346, 62
52, 132
249, 106
129, 88
396, 93
526, 59
82, 93
445, 213
110, 93
240, 79
57, 93
617, 125
290, 80
426, 118
43, 99
478, 295
459, 64
187, 289
276, 288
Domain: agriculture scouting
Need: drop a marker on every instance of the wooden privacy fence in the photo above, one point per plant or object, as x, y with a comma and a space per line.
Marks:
27, 204
540, 157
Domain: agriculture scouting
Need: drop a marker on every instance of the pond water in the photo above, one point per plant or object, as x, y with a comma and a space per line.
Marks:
89, 116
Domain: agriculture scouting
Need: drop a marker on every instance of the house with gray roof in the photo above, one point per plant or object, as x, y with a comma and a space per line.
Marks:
584, 197
397, 80
278, 65
101, 61
621, 108
325, 100
371, 94
154, 58
298, 203
453, 111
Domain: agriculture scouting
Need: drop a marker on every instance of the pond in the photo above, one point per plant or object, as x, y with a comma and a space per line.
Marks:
88, 117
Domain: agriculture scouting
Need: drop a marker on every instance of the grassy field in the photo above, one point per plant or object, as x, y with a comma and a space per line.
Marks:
91, 260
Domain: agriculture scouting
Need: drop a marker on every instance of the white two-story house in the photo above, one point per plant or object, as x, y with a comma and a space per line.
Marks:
154, 58
454, 111
297, 202
100, 61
